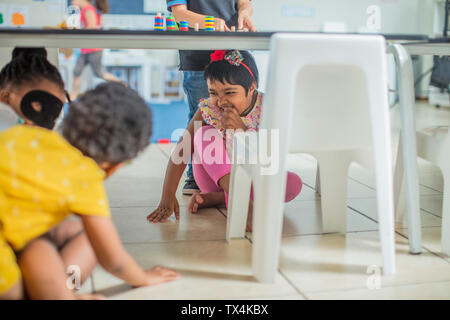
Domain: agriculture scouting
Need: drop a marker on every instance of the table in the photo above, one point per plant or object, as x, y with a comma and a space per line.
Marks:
149, 39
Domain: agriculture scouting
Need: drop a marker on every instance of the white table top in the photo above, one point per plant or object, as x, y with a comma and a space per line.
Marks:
431, 47
146, 39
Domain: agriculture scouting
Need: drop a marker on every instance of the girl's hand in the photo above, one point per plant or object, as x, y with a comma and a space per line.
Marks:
231, 120
165, 210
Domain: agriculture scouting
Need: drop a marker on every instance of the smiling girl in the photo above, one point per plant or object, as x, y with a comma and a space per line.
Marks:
234, 104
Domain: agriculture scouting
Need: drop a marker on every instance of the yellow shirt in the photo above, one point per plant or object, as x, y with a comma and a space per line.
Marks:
44, 179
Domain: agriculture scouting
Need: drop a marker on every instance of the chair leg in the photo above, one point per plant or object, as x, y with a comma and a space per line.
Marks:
318, 181
238, 200
399, 187
385, 214
333, 181
409, 146
268, 206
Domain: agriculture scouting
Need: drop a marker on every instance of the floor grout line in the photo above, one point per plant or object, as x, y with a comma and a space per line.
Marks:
423, 247
429, 212
385, 287
425, 186
361, 183
293, 285
357, 211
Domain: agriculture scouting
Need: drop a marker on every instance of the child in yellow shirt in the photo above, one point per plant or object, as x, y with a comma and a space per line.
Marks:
44, 178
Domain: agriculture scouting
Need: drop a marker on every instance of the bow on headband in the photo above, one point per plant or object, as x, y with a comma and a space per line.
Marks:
234, 57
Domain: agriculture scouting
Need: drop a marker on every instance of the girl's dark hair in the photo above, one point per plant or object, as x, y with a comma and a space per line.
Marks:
102, 6
110, 123
29, 66
224, 71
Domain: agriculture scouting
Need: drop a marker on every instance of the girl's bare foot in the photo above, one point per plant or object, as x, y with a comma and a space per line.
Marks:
159, 275
200, 200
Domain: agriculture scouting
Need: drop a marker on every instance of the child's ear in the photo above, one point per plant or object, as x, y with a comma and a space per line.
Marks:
4, 96
110, 168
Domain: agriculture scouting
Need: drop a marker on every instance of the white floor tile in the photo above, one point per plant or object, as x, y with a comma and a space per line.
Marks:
305, 217
425, 291
209, 270
431, 240
368, 207
340, 262
432, 204
133, 227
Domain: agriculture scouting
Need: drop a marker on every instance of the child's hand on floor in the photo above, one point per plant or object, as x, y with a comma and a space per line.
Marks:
159, 275
165, 210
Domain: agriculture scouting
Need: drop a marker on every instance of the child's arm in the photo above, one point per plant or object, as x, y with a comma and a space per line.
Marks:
113, 258
174, 171
181, 12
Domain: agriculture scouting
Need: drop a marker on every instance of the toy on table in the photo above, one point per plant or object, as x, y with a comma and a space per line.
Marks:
171, 24
159, 22
222, 26
184, 26
209, 23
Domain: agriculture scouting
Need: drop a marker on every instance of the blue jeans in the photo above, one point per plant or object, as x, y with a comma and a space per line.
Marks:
194, 85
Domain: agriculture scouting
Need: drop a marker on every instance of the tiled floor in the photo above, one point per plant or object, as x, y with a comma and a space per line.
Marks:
312, 265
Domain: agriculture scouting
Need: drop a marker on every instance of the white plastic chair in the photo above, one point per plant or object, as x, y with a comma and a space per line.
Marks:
432, 145
327, 96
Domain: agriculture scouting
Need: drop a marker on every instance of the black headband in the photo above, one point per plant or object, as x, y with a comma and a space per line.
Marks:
51, 107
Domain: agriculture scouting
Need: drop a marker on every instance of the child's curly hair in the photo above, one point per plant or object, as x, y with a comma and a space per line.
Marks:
110, 123
224, 71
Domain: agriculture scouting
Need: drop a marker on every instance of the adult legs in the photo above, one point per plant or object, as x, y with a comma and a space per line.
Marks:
195, 88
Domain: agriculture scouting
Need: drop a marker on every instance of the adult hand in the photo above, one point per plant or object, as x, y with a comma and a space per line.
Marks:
218, 22
245, 20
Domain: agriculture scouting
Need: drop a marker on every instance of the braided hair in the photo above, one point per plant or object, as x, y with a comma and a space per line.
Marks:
29, 66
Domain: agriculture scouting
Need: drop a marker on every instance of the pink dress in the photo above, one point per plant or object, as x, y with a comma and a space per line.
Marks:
98, 24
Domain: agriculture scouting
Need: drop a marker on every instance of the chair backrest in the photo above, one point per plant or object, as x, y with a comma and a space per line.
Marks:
326, 90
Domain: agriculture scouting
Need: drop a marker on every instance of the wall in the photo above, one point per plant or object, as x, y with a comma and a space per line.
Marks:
397, 16
40, 12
